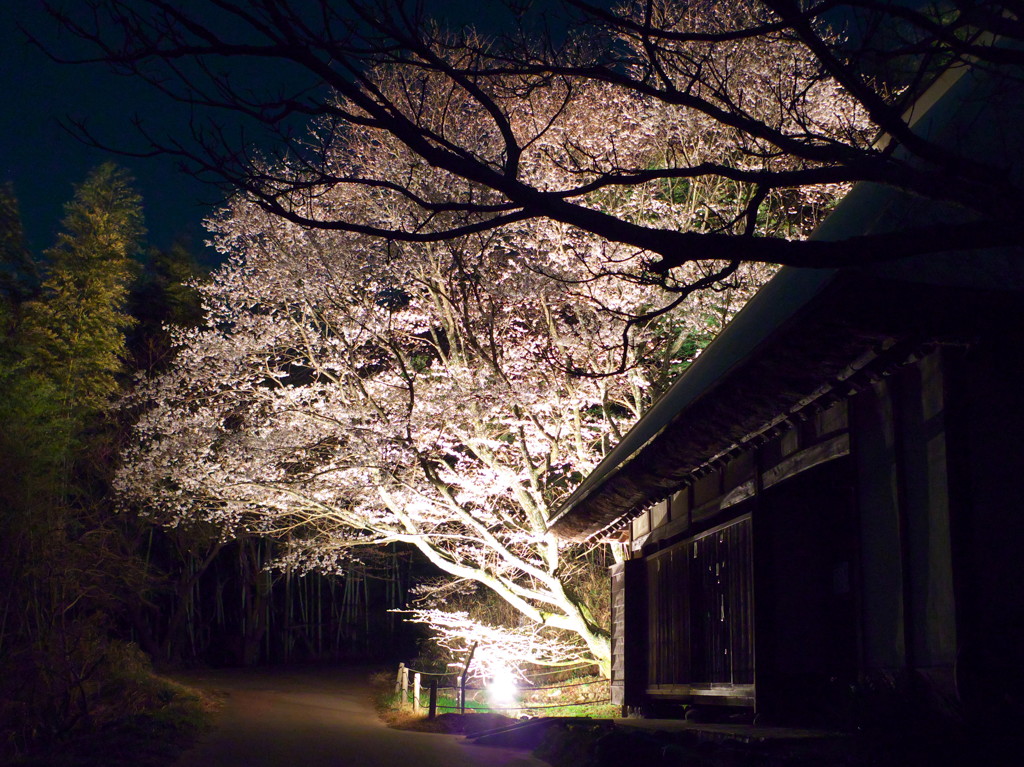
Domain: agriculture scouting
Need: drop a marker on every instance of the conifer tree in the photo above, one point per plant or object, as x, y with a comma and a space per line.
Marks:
18, 274
75, 331
64, 343
21, 442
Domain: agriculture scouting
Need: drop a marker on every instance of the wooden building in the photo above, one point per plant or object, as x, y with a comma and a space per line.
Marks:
828, 501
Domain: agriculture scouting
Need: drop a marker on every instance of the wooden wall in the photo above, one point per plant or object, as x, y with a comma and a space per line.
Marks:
883, 536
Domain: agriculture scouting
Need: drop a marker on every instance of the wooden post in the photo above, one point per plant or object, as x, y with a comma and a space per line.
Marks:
432, 711
462, 682
398, 679
405, 687
416, 693
634, 636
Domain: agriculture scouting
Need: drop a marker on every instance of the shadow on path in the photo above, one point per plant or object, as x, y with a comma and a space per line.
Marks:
320, 717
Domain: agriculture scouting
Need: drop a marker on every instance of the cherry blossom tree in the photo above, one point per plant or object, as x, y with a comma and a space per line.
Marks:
341, 402
445, 390
350, 392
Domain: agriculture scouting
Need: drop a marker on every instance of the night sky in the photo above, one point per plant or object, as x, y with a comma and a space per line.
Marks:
44, 161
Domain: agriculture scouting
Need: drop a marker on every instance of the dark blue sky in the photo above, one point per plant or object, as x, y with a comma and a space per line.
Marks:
44, 161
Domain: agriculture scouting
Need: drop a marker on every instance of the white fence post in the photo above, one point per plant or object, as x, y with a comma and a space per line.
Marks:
398, 679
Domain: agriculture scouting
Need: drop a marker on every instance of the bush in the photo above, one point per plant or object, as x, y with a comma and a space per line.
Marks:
133, 718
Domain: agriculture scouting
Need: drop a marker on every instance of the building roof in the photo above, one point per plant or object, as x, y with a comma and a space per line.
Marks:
810, 335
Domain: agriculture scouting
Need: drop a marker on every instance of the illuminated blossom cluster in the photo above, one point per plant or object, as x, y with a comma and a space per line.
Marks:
349, 391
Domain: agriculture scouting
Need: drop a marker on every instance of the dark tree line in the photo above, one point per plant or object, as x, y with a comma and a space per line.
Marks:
334, 62
85, 580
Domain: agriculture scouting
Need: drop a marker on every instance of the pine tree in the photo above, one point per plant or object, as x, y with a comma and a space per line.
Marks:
75, 332
18, 274
63, 560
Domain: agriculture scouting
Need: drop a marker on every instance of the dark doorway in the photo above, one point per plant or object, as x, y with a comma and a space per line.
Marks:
807, 651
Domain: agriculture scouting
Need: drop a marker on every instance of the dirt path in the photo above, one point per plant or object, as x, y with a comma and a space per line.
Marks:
320, 718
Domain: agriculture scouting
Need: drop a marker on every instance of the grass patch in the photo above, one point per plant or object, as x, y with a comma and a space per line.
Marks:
478, 714
584, 710
530, 710
154, 738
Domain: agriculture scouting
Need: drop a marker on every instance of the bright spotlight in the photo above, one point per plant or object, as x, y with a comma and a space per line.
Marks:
502, 688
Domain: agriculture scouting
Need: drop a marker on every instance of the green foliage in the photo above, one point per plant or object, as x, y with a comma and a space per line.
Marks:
18, 276
78, 576
140, 719
63, 560
18, 272
163, 295
31, 441
74, 333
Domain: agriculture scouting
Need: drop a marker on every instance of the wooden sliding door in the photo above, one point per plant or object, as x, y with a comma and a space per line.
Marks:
700, 624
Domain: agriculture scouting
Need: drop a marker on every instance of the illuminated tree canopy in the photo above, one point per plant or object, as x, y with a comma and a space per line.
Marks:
349, 391
760, 76
345, 395
426, 332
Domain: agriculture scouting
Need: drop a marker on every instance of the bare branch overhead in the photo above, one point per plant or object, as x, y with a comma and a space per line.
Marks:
797, 90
